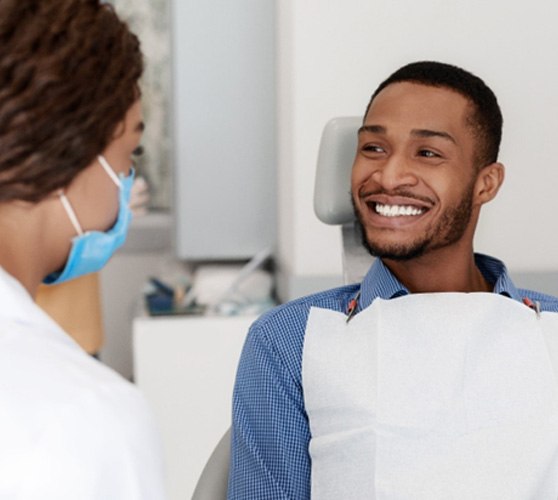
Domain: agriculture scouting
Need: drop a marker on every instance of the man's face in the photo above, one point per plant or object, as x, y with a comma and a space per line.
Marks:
414, 173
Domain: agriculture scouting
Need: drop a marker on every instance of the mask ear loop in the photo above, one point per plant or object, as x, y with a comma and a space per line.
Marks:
71, 213
105, 164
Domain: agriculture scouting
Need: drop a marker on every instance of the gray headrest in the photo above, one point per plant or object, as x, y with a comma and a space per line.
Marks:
332, 189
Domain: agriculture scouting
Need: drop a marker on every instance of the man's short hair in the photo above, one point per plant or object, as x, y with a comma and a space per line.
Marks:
486, 119
69, 72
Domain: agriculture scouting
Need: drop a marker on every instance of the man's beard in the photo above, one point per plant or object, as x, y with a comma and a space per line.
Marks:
448, 230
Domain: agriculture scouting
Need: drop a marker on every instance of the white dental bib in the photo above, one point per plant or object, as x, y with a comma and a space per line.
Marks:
433, 396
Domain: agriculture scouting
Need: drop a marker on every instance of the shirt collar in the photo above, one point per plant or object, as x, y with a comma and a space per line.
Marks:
380, 282
494, 271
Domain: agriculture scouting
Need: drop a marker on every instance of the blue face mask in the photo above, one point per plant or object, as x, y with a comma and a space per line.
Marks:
90, 251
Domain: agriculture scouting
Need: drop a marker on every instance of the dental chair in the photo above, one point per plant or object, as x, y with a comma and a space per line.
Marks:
212, 484
332, 205
332, 192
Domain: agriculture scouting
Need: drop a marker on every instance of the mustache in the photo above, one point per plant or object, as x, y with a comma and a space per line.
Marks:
397, 192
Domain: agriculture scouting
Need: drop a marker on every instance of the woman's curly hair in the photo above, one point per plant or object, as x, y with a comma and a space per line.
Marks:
69, 72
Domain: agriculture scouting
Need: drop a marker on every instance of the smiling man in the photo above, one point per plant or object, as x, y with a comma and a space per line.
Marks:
434, 378
426, 163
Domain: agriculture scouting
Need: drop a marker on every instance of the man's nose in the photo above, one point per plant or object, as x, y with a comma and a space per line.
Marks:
396, 172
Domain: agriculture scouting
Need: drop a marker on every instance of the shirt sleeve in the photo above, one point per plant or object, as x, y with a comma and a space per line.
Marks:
270, 432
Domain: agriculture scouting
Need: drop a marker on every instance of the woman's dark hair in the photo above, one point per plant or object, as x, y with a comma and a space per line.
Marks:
486, 118
69, 72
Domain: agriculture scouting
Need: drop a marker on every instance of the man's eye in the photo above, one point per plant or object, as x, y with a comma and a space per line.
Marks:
372, 148
426, 153
138, 151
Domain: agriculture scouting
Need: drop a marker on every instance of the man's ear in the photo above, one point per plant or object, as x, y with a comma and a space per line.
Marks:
488, 183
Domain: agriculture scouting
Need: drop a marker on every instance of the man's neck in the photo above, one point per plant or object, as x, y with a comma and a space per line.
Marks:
440, 271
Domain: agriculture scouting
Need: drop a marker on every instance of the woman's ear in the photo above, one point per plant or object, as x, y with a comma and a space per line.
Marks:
488, 183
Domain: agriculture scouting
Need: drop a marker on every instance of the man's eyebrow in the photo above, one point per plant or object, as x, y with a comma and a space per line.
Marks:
373, 129
432, 133
380, 129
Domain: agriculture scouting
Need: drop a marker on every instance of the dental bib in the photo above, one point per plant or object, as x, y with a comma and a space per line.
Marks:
433, 396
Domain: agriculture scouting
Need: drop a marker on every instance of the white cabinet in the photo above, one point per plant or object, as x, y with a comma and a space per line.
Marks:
186, 367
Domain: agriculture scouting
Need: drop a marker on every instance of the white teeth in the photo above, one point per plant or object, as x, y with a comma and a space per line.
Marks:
397, 210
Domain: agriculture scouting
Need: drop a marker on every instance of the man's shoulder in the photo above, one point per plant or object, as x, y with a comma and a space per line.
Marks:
284, 326
276, 339
547, 302
295, 312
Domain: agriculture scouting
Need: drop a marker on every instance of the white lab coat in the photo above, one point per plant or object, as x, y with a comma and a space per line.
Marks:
70, 428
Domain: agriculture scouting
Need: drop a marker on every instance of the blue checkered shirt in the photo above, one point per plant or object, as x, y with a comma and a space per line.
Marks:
270, 431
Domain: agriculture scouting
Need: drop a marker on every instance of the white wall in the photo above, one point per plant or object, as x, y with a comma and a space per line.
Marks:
332, 55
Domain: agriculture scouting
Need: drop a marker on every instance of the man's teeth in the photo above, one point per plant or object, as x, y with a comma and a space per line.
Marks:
397, 210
